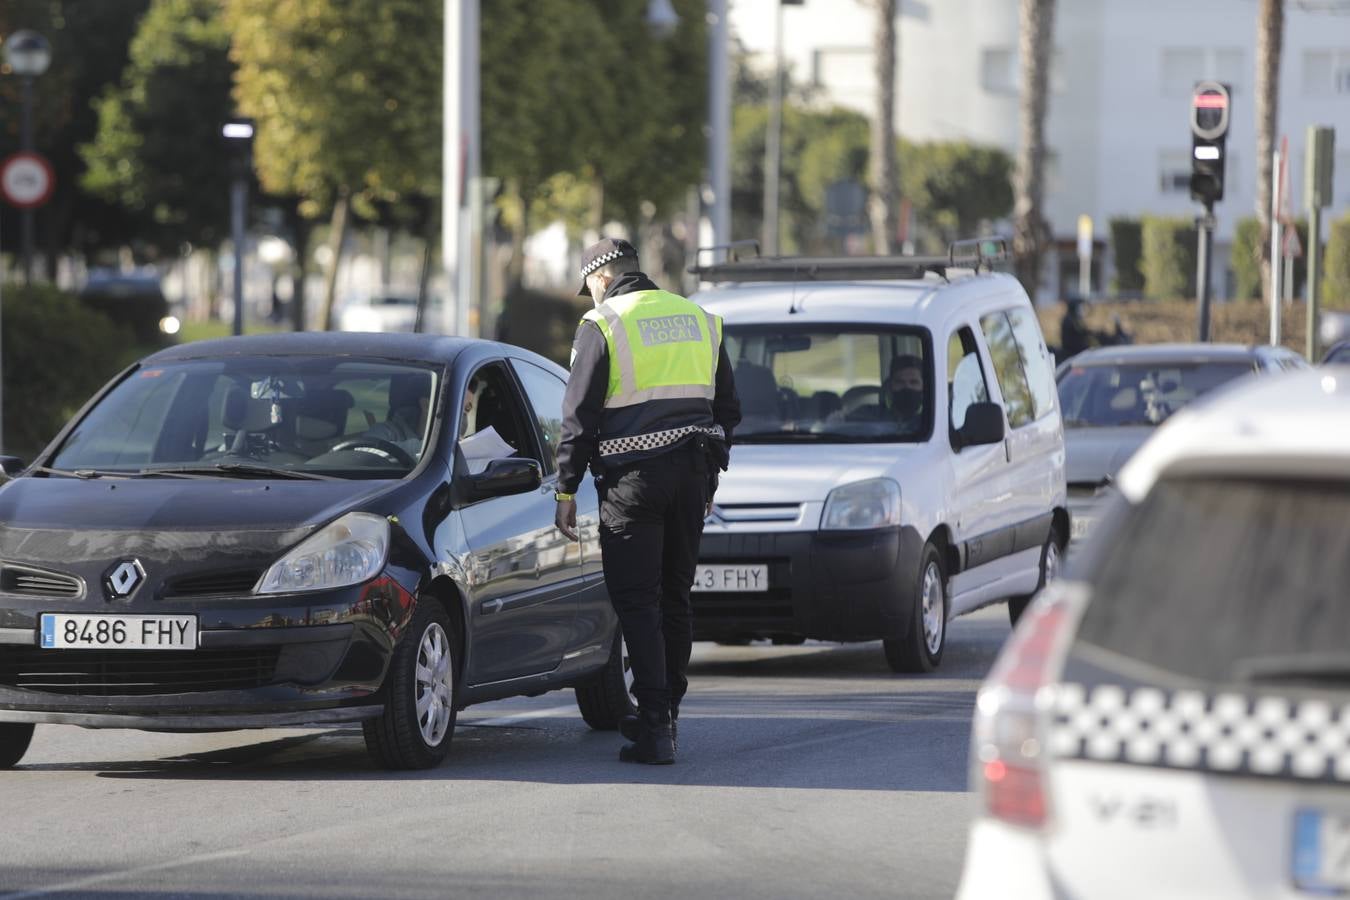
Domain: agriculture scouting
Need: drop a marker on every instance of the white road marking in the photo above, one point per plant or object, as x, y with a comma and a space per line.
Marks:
553, 712
124, 873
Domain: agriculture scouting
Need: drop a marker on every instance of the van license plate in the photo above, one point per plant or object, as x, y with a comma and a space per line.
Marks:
59, 631
1321, 852
731, 579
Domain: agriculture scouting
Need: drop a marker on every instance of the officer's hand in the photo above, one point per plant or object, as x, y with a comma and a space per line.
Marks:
566, 518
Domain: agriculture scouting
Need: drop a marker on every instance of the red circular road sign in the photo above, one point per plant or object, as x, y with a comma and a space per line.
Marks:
27, 180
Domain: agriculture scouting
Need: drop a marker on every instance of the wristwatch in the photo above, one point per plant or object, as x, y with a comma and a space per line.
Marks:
560, 496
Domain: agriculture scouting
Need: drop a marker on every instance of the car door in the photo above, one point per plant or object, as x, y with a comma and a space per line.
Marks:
594, 614
524, 571
980, 474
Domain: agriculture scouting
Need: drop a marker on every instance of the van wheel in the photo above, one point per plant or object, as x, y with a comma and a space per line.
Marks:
14, 740
609, 697
418, 722
921, 649
1051, 556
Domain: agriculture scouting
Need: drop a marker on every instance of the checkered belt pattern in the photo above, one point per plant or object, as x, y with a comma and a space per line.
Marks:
1186, 729
655, 440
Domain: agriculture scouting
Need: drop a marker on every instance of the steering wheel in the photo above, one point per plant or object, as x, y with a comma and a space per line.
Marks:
378, 447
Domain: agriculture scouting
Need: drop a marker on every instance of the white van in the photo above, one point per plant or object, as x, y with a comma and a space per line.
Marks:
900, 459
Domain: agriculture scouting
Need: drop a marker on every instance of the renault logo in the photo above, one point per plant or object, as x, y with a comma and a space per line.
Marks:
124, 577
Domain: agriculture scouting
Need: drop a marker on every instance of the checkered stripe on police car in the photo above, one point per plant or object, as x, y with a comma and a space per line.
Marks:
655, 440
1266, 736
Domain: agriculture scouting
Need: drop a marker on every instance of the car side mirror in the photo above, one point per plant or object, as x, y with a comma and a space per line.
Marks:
11, 466
503, 477
983, 425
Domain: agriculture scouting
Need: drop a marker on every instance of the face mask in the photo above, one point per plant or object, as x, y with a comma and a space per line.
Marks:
907, 401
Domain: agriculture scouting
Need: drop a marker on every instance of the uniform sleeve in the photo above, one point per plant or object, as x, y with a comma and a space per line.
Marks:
726, 405
583, 407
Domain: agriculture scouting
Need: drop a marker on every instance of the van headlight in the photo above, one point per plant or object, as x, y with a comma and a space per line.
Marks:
864, 504
347, 551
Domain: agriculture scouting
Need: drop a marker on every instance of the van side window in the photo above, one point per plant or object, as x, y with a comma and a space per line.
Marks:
1035, 359
1012, 379
965, 377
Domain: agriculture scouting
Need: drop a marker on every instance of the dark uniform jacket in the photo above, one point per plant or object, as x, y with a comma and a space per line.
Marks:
584, 404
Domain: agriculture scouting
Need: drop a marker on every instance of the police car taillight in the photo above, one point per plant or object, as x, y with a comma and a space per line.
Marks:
1009, 753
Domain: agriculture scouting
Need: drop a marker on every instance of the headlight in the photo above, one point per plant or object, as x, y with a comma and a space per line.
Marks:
347, 551
865, 504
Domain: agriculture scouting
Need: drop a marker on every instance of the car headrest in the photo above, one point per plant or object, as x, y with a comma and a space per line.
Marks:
243, 413
322, 414
408, 390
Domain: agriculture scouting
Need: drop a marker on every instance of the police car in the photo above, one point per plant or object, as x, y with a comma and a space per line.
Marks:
1172, 716
900, 460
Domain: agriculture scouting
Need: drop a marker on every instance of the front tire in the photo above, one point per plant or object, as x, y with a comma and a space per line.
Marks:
609, 697
1051, 557
420, 707
921, 649
14, 740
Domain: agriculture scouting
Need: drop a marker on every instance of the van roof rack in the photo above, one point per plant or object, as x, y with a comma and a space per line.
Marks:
973, 254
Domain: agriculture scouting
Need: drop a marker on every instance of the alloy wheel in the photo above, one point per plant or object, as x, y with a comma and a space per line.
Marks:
435, 683
934, 609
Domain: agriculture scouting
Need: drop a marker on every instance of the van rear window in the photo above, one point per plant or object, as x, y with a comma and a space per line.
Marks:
1230, 581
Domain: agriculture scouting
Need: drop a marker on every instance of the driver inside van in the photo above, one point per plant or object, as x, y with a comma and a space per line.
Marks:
902, 394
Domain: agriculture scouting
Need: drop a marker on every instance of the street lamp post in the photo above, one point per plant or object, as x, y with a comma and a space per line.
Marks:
773, 142
28, 55
238, 135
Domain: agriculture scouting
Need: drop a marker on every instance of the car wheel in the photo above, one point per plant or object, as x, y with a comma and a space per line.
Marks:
1052, 555
921, 649
418, 722
14, 740
607, 698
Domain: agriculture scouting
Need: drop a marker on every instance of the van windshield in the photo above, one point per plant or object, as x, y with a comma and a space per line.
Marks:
845, 383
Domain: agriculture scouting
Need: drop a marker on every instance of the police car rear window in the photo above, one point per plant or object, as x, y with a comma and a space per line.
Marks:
1229, 581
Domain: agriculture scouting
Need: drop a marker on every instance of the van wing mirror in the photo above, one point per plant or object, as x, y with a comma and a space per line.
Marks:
983, 425
11, 466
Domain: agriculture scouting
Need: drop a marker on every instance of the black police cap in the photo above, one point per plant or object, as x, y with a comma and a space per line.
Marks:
602, 253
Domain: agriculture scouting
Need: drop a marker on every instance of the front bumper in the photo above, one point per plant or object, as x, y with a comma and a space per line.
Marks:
834, 586
260, 662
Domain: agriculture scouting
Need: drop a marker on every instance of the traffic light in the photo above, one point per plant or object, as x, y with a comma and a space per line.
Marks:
1209, 132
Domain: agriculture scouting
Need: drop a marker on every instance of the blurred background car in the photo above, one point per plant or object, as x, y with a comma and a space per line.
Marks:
1113, 398
388, 312
133, 299
1180, 698
1337, 355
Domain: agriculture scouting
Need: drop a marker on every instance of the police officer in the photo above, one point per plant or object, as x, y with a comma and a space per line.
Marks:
649, 407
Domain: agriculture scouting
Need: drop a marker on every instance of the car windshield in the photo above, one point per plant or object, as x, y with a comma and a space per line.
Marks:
832, 384
244, 417
1227, 580
1113, 396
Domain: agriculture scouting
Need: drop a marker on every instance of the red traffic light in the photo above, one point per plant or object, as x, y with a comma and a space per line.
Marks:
1211, 101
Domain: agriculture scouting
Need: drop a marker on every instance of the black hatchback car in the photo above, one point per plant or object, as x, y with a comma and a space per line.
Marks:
304, 529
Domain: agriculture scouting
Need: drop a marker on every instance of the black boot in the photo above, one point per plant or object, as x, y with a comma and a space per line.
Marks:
629, 728
654, 744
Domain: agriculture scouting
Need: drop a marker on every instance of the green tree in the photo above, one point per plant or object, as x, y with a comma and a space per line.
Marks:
954, 186
89, 39
158, 152
347, 95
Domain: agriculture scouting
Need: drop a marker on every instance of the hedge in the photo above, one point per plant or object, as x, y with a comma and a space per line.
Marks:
57, 354
1168, 261
1336, 265
1127, 248
1247, 259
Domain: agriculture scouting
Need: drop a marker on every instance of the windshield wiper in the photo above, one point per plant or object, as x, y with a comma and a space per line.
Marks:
1305, 667
237, 470
786, 437
83, 473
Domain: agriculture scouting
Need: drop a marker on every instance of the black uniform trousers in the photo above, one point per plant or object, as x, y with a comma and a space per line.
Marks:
651, 519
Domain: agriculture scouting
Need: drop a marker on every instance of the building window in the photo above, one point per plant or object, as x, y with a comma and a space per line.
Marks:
1326, 73
1182, 67
1001, 72
1174, 172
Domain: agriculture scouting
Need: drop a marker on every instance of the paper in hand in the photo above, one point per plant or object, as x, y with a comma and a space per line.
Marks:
482, 447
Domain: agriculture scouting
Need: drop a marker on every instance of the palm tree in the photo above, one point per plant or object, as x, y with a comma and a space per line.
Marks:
1030, 231
1269, 48
882, 163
